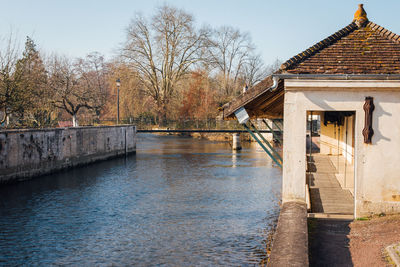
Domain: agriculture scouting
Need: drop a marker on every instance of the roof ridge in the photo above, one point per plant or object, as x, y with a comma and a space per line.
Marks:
319, 46
384, 32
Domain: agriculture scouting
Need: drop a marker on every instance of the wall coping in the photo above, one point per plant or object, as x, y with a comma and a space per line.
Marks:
6, 131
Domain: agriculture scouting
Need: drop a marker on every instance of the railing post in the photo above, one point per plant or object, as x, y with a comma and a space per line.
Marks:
236, 141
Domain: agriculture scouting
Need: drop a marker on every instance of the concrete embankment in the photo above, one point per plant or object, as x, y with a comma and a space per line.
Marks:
290, 245
28, 153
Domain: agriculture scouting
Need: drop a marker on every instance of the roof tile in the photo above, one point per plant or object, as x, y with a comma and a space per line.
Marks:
369, 49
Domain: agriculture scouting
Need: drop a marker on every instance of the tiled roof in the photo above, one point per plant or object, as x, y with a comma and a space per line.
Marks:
362, 47
369, 49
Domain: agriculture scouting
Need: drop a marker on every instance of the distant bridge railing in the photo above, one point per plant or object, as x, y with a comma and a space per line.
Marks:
195, 131
213, 124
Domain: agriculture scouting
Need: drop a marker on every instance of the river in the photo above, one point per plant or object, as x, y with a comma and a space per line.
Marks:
178, 202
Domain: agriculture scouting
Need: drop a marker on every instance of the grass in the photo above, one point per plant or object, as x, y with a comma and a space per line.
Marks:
363, 219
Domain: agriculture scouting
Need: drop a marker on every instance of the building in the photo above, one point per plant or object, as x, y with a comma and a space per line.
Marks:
351, 80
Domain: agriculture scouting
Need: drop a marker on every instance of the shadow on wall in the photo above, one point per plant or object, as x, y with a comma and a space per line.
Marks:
377, 116
322, 103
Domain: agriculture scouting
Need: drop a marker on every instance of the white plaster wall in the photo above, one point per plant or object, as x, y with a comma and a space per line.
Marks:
294, 149
377, 171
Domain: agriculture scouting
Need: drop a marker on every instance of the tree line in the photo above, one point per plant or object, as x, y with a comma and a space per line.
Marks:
168, 69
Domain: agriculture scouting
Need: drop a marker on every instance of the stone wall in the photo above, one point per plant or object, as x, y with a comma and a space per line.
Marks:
28, 153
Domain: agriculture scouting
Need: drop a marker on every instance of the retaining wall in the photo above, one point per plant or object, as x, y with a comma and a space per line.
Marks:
28, 153
290, 245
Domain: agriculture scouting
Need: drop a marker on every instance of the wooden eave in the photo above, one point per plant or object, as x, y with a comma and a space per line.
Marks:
259, 102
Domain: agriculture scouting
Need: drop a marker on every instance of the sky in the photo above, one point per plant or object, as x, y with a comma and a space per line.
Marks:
279, 29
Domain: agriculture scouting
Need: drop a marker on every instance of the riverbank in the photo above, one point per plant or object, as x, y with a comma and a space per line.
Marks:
221, 137
218, 137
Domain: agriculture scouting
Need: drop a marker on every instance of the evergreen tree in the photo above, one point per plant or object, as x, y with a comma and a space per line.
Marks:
32, 81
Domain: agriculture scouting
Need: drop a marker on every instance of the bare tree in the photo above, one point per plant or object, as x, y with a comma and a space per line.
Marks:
274, 66
254, 70
133, 101
229, 51
79, 85
12, 99
163, 51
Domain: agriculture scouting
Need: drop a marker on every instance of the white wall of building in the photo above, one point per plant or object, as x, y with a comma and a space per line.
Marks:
377, 171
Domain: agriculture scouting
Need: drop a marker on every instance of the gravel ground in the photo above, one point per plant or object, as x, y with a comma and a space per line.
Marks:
369, 238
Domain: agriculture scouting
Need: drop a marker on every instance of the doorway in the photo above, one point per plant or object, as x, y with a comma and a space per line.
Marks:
330, 162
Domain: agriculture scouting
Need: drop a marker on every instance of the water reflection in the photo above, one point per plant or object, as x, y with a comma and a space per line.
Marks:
234, 158
179, 201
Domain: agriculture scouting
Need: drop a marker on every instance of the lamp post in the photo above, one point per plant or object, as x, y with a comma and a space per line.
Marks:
118, 82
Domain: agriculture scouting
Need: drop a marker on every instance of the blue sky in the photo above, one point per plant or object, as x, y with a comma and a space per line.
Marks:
279, 29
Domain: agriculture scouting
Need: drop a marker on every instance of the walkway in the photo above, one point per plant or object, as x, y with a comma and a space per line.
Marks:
328, 241
325, 192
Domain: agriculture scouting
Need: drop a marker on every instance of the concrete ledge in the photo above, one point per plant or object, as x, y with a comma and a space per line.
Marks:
29, 130
290, 246
330, 216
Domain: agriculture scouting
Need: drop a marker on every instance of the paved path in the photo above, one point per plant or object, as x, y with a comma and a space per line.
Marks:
328, 244
325, 192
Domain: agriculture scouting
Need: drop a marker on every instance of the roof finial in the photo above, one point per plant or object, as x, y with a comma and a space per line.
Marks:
360, 17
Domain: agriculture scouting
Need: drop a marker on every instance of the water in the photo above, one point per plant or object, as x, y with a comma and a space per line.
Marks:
177, 202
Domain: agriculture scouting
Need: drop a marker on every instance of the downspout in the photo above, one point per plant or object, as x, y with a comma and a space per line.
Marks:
275, 80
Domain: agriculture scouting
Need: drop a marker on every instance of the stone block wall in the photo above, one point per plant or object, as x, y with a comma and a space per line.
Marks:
28, 153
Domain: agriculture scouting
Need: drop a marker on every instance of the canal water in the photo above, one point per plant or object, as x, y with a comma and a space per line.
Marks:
177, 202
